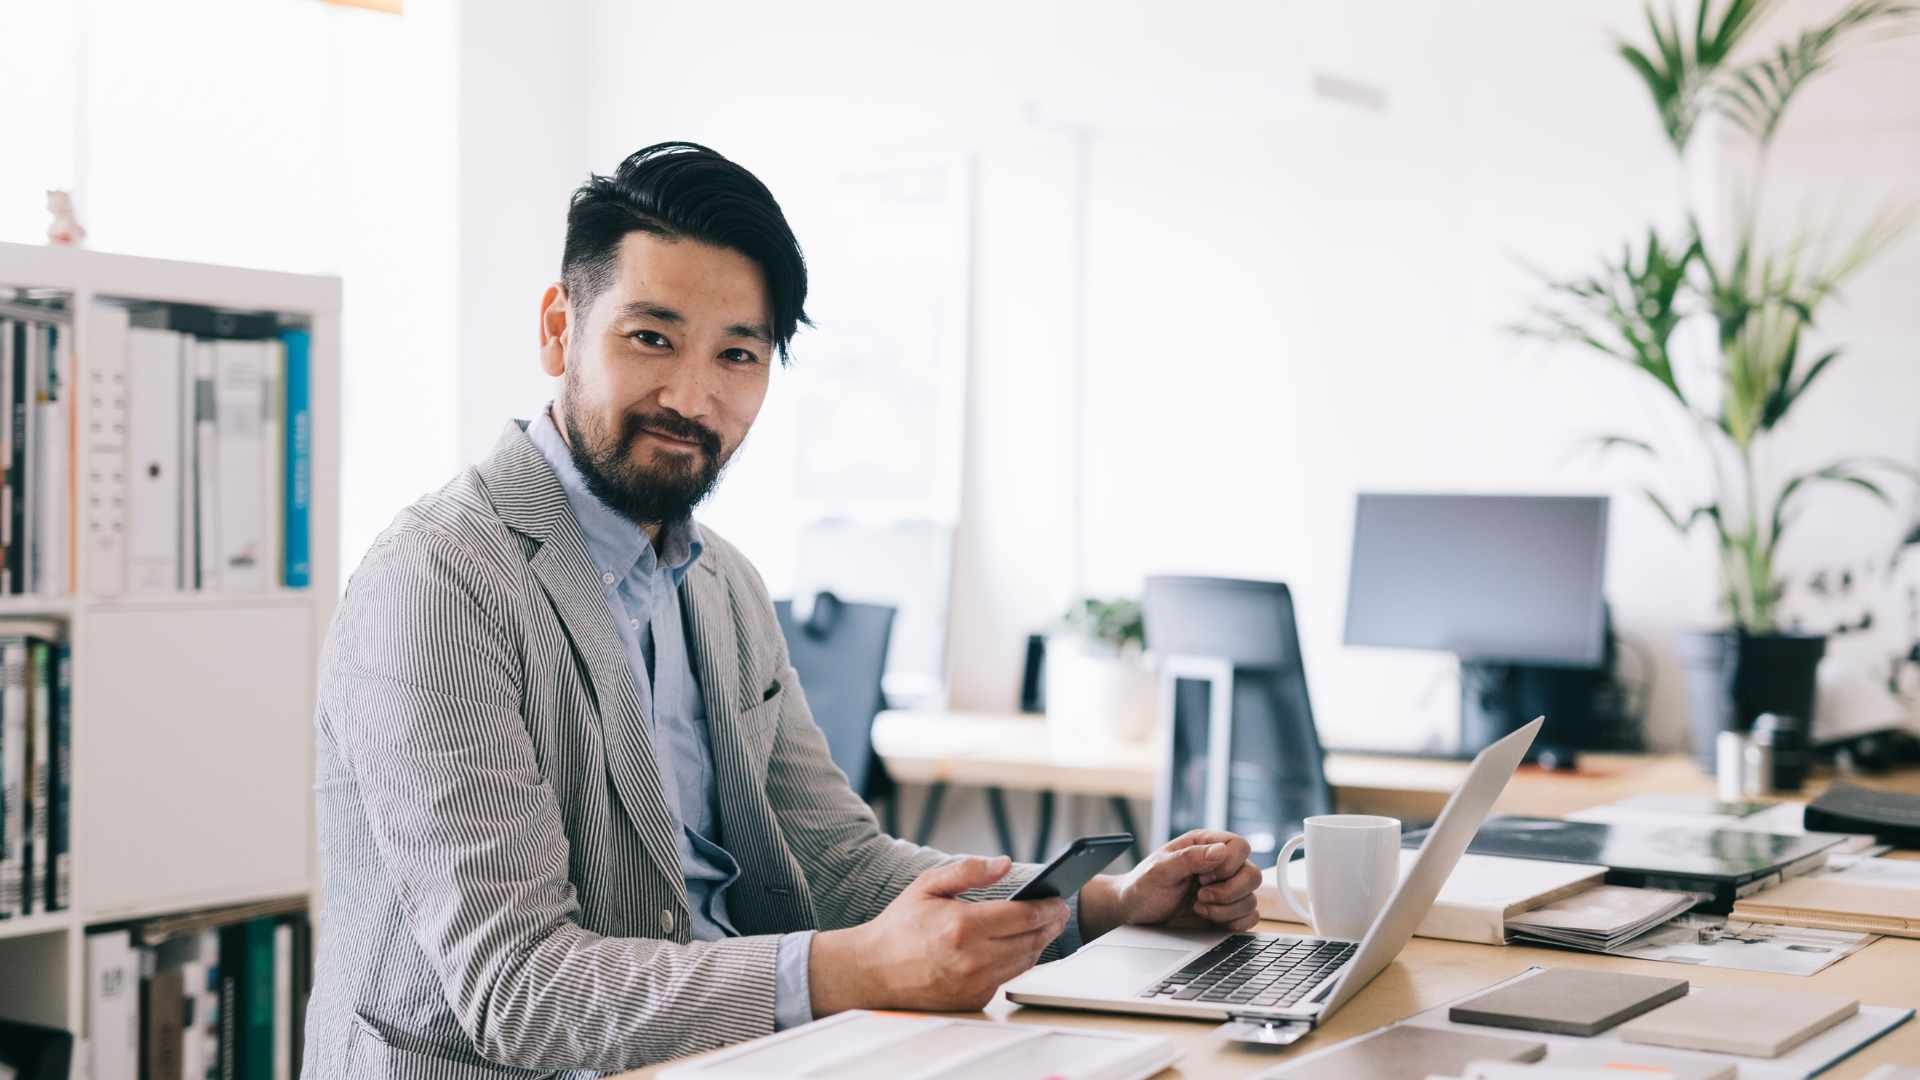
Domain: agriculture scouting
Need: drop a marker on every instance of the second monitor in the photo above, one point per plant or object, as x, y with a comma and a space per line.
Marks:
1510, 584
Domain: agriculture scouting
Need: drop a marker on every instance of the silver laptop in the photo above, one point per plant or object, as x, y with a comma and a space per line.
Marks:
1209, 975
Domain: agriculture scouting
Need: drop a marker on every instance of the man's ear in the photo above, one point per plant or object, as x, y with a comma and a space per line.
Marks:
556, 324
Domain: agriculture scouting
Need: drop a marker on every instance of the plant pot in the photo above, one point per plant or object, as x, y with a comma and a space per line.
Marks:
1096, 693
1733, 677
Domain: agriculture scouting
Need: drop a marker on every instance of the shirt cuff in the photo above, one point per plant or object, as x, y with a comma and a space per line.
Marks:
792, 994
1070, 939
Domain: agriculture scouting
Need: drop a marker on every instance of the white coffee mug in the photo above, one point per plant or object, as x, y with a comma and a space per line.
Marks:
1353, 866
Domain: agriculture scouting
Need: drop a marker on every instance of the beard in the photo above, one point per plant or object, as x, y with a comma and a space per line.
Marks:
661, 492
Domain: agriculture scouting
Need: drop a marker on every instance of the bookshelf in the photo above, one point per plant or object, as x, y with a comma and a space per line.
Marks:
191, 756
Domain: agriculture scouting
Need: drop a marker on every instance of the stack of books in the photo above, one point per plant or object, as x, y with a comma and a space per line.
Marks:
1878, 896
216, 419
210, 995
36, 439
36, 737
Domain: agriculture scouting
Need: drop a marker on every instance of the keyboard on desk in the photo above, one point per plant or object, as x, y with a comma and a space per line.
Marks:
1260, 971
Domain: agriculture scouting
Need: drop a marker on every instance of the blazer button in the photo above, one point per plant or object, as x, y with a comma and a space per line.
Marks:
666, 920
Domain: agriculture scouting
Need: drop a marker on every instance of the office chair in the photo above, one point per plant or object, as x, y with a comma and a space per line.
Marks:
1240, 750
840, 651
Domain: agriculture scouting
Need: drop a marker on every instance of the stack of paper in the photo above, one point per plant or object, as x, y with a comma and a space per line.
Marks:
1600, 919
860, 1044
1481, 894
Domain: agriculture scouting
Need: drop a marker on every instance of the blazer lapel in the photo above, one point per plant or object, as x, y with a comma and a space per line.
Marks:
742, 735
529, 498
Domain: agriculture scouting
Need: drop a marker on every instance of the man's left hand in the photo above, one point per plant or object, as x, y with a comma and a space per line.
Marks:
1199, 880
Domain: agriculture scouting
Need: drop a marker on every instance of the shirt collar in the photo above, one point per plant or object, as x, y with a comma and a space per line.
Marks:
616, 544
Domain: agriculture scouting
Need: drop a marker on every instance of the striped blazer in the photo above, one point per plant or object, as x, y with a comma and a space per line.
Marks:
502, 896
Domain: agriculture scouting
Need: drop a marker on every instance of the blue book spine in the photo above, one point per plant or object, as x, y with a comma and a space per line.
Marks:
297, 486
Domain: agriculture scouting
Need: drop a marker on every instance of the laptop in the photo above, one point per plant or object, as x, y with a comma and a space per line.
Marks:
1301, 979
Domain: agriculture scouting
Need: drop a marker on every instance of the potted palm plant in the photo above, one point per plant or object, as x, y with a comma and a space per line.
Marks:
1760, 301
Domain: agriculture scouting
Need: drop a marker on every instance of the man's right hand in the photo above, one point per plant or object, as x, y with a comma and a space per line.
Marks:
930, 951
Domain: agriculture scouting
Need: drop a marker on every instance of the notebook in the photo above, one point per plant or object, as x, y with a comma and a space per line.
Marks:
1568, 1001
1481, 894
1739, 1020
1837, 902
1404, 1050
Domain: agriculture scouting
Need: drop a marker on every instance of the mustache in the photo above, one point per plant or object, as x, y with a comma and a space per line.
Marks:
670, 424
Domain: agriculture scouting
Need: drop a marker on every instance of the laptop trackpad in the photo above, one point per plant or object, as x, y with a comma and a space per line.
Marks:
1104, 970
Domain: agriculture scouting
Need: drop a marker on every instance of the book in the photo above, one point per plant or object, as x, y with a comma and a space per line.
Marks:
52, 512
1725, 864
113, 1006
162, 1020
103, 526
13, 784
1481, 894
239, 391
297, 488
1890, 816
19, 380
1743, 1020
12, 343
39, 767
60, 819
1835, 902
1568, 1001
1404, 1050
154, 378
207, 570
273, 410
282, 1001
256, 997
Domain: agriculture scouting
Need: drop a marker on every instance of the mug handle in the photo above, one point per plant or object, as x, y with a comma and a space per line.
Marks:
1285, 887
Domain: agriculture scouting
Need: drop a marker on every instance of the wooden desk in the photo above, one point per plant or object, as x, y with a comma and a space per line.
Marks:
1429, 973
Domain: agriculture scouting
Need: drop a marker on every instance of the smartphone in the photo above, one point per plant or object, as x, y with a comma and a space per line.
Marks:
1075, 866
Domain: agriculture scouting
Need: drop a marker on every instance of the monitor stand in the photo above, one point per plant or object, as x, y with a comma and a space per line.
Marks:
1498, 698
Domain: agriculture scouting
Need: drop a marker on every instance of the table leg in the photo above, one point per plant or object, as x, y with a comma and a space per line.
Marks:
997, 806
1045, 837
930, 812
1125, 813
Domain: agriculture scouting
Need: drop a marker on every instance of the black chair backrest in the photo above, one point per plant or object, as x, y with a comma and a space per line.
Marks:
1276, 774
840, 651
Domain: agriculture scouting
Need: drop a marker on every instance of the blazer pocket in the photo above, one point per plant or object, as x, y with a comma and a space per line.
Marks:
374, 1058
758, 724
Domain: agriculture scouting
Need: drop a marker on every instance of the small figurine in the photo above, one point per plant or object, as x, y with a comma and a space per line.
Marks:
65, 229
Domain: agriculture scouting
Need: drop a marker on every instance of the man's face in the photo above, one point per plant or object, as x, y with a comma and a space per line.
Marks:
663, 373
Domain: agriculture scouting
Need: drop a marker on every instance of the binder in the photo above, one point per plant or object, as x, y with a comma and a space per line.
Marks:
239, 407
103, 524
154, 377
207, 572
297, 489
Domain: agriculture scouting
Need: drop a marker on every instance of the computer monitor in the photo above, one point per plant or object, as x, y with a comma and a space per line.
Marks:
1510, 584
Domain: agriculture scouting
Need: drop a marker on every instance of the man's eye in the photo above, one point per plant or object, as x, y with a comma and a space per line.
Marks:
649, 338
741, 356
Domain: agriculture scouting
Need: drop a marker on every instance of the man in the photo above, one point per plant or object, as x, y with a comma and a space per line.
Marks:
574, 815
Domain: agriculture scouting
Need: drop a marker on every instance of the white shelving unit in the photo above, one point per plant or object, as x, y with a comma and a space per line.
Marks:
192, 763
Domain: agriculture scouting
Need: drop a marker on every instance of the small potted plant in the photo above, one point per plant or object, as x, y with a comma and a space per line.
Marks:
1099, 683
1755, 303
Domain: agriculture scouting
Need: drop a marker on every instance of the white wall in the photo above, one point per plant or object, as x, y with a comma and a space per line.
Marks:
281, 134
1290, 300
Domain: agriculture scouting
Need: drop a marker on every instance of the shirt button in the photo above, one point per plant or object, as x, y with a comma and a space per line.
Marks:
635, 623
608, 578
666, 920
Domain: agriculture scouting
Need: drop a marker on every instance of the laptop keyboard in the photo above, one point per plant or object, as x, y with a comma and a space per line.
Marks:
1260, 971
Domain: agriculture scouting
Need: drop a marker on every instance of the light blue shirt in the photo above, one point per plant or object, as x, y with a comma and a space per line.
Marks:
642, 589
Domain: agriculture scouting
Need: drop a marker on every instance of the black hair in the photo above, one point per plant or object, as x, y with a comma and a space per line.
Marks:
683, 189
